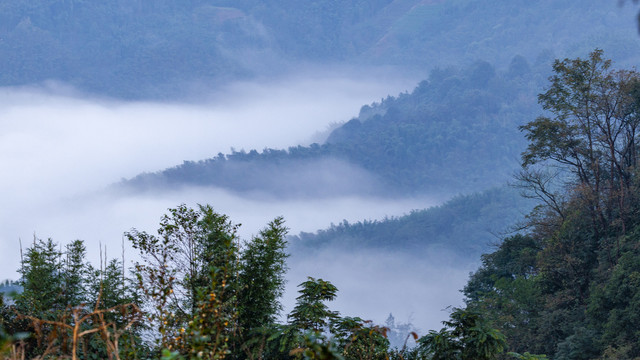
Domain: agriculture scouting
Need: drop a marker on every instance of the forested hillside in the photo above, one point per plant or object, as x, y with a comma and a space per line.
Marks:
465, 227
168, 49
197, 291
456, 132
569, 286
560, 275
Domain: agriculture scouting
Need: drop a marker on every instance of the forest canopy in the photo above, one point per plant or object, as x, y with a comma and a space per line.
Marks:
566, 287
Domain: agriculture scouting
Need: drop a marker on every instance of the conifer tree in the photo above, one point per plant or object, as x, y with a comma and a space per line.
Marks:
74, 274
41, 280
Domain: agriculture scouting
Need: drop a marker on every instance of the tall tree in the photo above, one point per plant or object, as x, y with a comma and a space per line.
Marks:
262, 276
466, 336
41, 280
591, 134
194, 251
74, 274
310, 312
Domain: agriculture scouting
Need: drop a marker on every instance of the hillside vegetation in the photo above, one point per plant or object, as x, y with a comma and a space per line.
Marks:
456, 132
465, 227
569, 286
168, 49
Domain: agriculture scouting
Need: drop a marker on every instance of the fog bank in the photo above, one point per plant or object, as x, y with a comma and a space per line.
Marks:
416, 288
59, 153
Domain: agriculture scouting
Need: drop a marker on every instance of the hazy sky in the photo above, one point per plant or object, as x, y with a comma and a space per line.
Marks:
58, 153
374, 283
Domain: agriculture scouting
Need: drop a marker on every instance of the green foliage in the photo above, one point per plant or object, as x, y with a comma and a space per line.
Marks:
361, 339
186, 278
569, 287
466, 336
450, 135
527, 356
68, 309
317, 347
208, 295
41, 281
506, 290
592, 134
613, 305
315, 332
135, 49
74, 274
262, 276
310, 312
261, 281
465, 225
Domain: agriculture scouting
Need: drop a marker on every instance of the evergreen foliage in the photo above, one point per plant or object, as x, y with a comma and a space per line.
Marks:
262, 276
310, 312
466, 336
67, 308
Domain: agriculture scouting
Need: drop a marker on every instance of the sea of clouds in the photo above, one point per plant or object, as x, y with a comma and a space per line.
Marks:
60, 151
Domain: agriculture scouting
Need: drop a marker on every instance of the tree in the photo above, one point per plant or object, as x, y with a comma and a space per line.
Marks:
74, 274
187, 274
206, 294
310, 312
506, 291
466, 336
361, 339
261, 284
55, 307
213, 326
41, 280
262, 276
591, 134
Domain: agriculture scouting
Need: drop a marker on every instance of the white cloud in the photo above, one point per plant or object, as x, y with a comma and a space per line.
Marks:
58, 152
373, 283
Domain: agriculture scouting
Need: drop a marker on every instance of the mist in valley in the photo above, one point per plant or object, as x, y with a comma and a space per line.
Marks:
386, 134
61, 152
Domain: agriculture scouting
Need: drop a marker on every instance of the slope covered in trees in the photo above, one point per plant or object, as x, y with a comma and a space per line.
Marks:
197, 291
455, 132
465, 226
168, 48
569, 286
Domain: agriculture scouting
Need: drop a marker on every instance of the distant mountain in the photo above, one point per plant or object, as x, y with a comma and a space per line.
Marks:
168, 48
466, 226
457, 132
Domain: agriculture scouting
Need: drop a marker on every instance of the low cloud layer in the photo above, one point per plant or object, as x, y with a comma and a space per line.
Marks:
372, 283
59, 152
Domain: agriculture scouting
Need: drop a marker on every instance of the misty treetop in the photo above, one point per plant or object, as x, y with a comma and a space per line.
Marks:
465, 226
166, 49
198, 289
454, 133
198, 292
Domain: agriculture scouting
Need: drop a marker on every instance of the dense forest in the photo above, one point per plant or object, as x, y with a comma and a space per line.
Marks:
456, 132
556, 250
168, 49
198, 292
566, 285
465, 227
